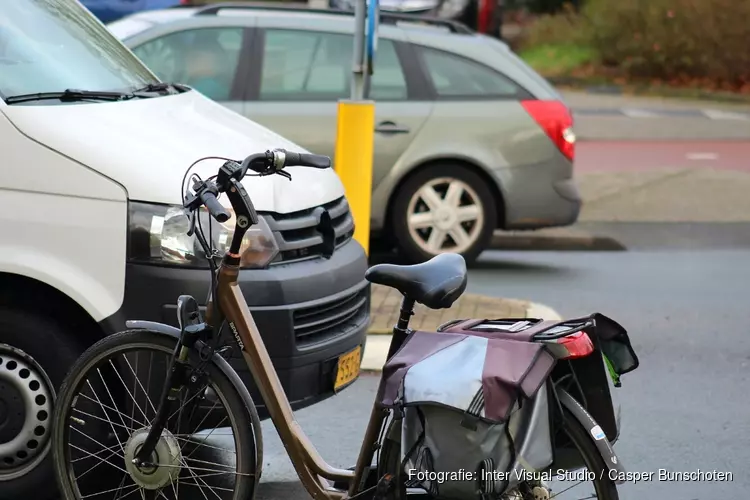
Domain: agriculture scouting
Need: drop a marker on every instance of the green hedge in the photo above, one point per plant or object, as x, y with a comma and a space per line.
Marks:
677, 41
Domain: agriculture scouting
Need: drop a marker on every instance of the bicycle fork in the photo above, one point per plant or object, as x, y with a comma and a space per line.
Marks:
193, 329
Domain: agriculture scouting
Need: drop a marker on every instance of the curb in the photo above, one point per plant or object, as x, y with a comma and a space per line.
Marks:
541, 242
541, 311
378, 341
641, 89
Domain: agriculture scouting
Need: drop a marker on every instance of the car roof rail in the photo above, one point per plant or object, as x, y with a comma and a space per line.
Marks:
385, 16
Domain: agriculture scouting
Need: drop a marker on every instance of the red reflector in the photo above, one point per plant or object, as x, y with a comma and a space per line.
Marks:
557, 123
579, 345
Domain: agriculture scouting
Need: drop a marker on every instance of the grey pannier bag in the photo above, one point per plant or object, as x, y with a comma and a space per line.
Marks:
475, 413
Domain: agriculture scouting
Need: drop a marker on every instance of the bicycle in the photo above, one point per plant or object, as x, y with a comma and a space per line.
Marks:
97, 404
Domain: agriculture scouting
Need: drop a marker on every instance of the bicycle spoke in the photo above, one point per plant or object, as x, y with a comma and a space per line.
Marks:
567, 489
100, 444
176, 487
106, 388
204, 445
119, 488
135, 392
94, 455
148, 381
141, 424
206, 437
201, 469
196, 484
188, 401
207, 486
100, 418
101, 461
110, 491
135, 376
207, 463
135, 402
105, 414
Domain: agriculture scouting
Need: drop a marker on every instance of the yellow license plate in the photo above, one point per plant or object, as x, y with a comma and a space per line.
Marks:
348, 368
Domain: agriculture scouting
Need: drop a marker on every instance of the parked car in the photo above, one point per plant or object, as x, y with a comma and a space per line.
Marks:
92, 233
468, 138
111, 10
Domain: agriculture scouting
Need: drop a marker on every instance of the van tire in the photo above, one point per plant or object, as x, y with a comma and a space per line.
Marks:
476, 192
51, 347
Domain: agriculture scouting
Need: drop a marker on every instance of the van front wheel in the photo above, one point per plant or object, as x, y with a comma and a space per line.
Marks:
35, 355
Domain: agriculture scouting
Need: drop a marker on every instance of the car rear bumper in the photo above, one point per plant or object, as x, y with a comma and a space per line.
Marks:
308, 313
536, 197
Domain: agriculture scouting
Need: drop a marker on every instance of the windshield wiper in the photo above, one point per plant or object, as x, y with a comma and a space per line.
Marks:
169, 88
70, 95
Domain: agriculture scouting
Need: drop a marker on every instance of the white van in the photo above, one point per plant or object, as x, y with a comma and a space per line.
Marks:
88, 179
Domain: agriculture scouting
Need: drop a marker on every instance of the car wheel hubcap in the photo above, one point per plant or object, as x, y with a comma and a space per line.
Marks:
445, 215
26, 399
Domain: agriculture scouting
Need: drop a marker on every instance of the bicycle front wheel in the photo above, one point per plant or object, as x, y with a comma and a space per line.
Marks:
211, 446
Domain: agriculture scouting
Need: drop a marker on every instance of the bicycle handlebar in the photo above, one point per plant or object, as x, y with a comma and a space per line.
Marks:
231, 173
211, 202
306, 160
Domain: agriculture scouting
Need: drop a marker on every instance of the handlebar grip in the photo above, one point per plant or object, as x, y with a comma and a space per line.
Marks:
213, 206
306, 160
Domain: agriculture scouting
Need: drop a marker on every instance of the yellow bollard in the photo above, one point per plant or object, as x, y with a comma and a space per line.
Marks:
355, 135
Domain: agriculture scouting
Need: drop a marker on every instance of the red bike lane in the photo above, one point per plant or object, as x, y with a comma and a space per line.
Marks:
598, 156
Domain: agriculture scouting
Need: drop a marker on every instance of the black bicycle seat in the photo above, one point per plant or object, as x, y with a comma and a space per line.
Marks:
437, 283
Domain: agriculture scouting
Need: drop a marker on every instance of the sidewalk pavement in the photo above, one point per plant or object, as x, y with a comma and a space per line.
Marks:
385, 304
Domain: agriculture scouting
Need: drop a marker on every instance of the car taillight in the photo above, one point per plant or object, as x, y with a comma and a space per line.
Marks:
557, 123
578, 345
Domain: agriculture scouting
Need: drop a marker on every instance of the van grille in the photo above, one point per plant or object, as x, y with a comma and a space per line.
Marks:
323, 321
298, 237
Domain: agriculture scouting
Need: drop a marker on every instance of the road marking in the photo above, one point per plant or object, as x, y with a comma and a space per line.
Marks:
639, 113
715, 114
702, 156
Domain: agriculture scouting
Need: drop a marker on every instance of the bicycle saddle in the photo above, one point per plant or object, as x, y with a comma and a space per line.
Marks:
437, 283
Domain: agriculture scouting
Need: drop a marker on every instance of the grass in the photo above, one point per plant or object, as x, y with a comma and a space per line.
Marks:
557, 60
573, 67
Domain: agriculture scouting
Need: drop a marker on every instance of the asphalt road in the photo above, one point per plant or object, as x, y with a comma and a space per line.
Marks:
686, 407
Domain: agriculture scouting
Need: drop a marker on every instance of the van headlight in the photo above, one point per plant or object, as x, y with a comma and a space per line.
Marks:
158, 235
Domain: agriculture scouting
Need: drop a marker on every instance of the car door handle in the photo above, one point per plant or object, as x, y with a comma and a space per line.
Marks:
391, 128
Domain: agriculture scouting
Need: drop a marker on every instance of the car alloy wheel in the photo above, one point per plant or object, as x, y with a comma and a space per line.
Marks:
445, 215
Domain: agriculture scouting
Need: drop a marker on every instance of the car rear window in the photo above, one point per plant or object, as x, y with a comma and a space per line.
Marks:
125, 28
454, 76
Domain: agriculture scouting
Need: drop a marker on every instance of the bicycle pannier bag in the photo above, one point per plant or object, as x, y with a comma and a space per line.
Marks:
475, 411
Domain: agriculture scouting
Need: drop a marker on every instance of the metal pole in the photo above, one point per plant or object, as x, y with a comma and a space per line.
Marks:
358, 72
355, 134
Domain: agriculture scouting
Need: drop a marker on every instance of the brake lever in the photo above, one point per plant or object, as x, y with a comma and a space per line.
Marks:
191, 218
284, 173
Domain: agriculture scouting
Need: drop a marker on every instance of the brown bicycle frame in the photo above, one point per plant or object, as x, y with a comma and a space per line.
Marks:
312, 470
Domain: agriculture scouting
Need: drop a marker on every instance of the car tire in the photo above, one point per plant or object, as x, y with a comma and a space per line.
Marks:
419, 219
36, 353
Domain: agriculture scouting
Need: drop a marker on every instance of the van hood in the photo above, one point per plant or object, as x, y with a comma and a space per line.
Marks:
146, 145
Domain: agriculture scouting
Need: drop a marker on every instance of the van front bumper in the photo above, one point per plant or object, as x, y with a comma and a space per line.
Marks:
308, 313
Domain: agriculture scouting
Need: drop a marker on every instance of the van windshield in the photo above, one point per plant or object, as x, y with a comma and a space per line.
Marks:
54, 45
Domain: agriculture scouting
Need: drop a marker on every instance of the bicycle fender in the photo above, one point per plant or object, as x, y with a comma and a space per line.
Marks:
616, 469
220, 362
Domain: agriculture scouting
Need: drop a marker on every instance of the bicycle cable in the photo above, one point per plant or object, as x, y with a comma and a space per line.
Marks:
208, 249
